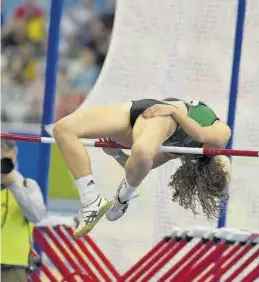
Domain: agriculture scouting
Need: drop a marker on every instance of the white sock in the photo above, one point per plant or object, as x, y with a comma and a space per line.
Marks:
86, 189
127, 192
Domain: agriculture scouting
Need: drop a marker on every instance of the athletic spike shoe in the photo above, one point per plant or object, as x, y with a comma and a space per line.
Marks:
118, 208
90, 214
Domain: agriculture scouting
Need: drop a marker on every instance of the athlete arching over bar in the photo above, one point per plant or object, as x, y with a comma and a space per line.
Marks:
145, 125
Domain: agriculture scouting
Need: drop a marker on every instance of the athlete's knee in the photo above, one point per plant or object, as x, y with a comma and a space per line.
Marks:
142, 155
62, 128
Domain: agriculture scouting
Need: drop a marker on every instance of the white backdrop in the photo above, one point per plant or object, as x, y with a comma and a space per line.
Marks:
182, 49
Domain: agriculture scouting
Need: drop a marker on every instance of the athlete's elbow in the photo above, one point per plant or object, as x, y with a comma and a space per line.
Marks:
228, 133
199, 137
225, 137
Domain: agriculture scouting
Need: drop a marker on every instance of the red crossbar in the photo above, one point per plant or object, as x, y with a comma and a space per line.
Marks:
183, 150
18, 137
230, 152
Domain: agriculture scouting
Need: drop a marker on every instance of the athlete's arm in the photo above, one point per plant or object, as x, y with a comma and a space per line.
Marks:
217, 134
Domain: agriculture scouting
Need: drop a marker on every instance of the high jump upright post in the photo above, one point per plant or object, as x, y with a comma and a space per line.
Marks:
50, 92
233, 93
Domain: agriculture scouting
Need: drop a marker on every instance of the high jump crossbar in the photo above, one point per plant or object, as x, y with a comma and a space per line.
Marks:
171, 149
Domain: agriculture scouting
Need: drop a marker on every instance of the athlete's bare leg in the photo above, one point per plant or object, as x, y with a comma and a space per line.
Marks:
106, 121
148, 136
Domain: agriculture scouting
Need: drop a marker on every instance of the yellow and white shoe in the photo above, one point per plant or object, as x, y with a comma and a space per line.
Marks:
90, 214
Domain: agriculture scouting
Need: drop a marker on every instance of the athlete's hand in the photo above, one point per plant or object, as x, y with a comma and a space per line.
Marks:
109, 151
159, 110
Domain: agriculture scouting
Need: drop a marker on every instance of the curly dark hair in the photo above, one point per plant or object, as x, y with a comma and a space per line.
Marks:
199, 180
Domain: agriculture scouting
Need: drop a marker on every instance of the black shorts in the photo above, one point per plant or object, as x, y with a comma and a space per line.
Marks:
138, 107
